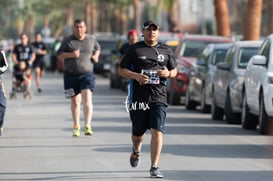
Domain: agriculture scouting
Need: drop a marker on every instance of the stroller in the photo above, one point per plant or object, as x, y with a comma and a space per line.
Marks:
21, 80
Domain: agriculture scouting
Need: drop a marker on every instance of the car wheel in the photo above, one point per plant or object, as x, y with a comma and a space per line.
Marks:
217, 113
231, 118
263, 117
248, 120
114, 84
205, 108
189, 103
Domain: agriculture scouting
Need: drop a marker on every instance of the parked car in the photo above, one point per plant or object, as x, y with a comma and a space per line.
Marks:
257, 108
201, 77
107, 42
189, 47
170, 39
228, 80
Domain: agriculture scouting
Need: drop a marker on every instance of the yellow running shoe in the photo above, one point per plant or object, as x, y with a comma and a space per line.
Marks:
76, 132
88, 131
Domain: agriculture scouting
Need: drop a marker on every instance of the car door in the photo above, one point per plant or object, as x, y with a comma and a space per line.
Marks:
256, 75
222, 76
201, 71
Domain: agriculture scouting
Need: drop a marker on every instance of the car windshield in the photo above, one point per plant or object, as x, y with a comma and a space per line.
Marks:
107, 44
192, 48
245, 54
218, 56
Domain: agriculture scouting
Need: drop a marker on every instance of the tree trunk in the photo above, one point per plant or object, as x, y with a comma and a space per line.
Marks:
115, 20
252, 20
173, 15
123, 18
269, 15
222, 18
29, 27
69, 16
94, 17
103, 9
137, 15
88, 16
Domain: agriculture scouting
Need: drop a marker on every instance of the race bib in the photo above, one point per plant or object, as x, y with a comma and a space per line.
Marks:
152, 74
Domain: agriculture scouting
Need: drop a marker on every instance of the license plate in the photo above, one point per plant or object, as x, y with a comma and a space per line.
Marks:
106, 67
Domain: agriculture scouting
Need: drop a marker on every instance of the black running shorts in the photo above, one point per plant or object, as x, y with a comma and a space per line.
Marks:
153, 117
73, 84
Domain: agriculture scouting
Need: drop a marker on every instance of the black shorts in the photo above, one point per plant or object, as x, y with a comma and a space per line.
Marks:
39, 63
73, 84
153, 117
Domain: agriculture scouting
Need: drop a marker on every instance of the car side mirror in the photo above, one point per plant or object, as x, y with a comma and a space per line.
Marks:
222, 66
258, 60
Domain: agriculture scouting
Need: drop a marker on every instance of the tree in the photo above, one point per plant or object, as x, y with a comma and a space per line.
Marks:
136, 14
269, 15
171, 8
252, 20
222, 18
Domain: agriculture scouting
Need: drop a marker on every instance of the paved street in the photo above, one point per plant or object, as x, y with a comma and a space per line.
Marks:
37, 144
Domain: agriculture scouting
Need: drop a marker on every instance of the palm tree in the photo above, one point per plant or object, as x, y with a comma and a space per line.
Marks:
269, 15
171, 8
222, 18
136, 14
252, 20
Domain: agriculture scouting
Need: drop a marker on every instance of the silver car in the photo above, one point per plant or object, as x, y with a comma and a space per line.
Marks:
201, 77
228, 81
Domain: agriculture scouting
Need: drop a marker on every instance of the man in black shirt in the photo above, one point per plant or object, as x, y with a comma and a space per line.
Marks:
148, 64
23, 51
132, 37
40, 50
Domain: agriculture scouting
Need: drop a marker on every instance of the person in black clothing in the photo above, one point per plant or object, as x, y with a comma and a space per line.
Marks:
132, 37
40, 50
24, 52
148, 64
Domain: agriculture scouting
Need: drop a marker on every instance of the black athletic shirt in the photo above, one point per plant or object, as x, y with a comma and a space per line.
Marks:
140, 56
23, 53
36, 46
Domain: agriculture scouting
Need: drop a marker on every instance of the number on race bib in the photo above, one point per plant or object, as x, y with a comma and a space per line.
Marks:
152, 74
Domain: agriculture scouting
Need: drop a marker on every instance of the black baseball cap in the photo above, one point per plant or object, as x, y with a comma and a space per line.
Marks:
149, 23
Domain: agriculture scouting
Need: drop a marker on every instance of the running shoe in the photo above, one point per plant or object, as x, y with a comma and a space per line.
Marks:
135, 159
155, 172
76, 132
88, 131
1, 130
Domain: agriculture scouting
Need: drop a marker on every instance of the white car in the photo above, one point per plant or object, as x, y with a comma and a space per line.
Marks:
257, 106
